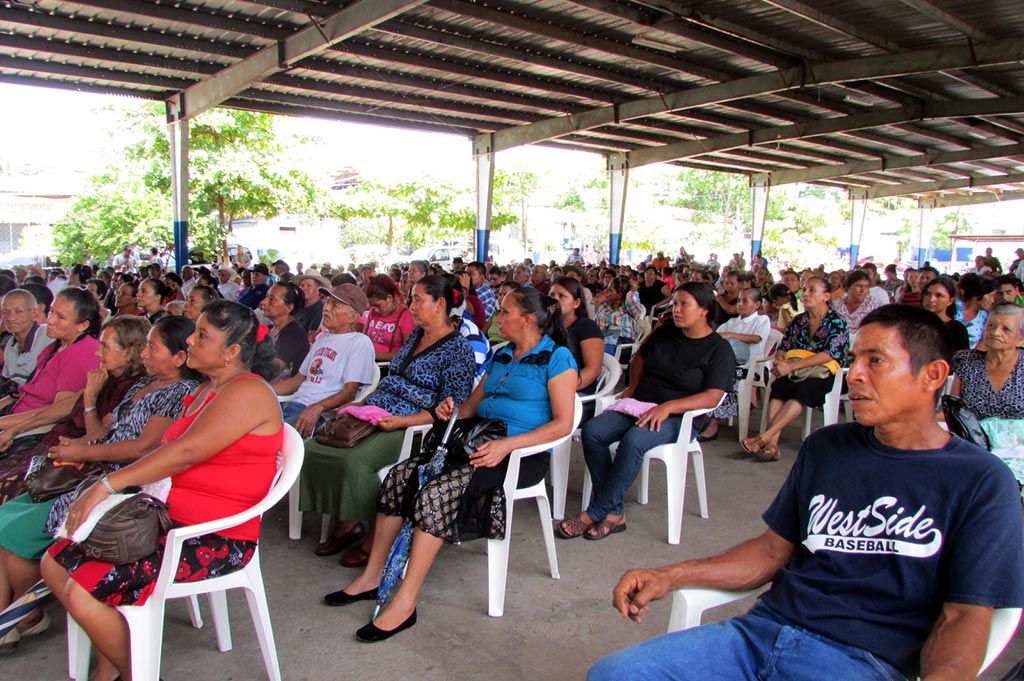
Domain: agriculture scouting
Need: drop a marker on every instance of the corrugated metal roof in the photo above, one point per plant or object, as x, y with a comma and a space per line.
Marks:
863, 93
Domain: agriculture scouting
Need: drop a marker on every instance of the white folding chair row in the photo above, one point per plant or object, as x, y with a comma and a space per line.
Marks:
294, 514
674, 455
689, 606
560, 455
755, 379
146, 622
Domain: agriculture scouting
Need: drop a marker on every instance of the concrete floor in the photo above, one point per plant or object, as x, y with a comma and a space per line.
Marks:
551, 629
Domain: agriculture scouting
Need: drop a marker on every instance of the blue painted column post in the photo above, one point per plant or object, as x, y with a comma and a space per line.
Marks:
618, 175
760, 187
177, 132
858, 205
482, 152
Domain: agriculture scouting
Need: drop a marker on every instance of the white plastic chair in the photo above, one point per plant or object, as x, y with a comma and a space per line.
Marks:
689, 605
754, 380
674, 456
498, 549
294, 514
146, 622
560, 455
643, 330
830, 408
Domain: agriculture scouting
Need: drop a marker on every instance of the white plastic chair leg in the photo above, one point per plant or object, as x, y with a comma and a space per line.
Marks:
743, 396
146, 631
697, 454
588, 489
325, 528
195, 614
79, 649
497, 573
548, 531
260, 613
294, 514
645, 480
560, 456
675, 482
221, 620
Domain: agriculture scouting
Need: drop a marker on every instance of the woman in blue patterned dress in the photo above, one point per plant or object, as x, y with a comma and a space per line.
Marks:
434, 363
818, 330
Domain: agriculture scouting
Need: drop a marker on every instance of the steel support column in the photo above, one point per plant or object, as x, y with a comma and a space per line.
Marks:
858, 205
177, 132
925, 229
618, 174
760, 188
484, 155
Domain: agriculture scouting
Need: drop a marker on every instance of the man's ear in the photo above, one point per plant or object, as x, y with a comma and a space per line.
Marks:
934, 375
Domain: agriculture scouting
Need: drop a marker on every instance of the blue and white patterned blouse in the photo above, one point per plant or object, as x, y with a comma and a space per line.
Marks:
417, 383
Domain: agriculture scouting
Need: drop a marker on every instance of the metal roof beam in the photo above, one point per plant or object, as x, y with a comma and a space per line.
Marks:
350, 21
823, 127
891, 162
784, 79
975, 199
923, 187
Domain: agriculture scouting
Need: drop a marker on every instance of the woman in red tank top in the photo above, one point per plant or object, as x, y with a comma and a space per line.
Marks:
232, 421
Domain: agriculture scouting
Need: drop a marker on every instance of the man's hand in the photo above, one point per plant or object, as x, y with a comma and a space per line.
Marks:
307, 420
636, 589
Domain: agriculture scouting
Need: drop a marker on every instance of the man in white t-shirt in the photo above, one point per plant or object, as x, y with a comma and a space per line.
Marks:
338, 364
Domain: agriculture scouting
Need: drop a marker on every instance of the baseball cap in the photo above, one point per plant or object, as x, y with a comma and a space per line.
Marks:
261, 268
350, 294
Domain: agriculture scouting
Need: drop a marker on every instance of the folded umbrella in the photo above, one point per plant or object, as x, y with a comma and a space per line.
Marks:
20, 608
398, 556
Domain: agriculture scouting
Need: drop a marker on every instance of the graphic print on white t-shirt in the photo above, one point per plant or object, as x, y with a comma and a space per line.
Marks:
885, 526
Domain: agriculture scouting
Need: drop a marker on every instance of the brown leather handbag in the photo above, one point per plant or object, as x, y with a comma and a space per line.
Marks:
129, 531
50, 481
344, 431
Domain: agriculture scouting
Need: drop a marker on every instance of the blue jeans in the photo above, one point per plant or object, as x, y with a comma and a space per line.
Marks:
759, 646
612, 477
291, 411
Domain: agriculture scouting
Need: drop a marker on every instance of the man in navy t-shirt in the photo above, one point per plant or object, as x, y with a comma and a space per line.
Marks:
887, 547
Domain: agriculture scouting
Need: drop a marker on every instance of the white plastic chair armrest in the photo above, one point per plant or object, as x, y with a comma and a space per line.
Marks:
40, 430
689, 605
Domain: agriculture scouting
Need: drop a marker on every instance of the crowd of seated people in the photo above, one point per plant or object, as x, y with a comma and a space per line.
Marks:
297, 348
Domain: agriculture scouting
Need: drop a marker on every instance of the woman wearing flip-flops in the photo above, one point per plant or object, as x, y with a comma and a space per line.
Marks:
682, 366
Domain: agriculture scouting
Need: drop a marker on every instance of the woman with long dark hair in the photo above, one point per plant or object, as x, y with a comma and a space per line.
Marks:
939, 298
681, 366
291, 343
221, 456
529, 385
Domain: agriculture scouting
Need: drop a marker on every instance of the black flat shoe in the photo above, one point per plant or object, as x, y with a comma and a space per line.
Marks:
371, 633
342, 598
707, 438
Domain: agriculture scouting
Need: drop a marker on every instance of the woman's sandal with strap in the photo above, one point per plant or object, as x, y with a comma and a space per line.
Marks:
605, 529
573, 527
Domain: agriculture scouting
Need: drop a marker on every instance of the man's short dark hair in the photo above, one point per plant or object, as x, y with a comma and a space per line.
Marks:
925, 337
929, 268
477, 266
1004, 279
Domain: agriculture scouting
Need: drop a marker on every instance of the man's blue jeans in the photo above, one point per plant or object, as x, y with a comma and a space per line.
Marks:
612, 478
290, 411
758, 646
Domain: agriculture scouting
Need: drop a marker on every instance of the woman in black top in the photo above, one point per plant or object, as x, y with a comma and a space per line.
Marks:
939, 297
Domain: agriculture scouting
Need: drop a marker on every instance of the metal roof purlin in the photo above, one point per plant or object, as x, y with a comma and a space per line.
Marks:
920, 61
680, 150
228, 82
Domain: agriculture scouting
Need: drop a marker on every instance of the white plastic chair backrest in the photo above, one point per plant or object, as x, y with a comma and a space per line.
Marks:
371, 386
611, 372
289, 465
772, 344
498, 346
1004, 626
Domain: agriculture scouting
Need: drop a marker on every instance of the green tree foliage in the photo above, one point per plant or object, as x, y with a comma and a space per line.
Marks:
239, 166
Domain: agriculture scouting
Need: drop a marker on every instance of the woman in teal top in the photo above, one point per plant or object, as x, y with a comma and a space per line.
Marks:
531, 385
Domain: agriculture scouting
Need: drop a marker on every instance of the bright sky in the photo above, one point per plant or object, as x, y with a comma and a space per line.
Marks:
60, 130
